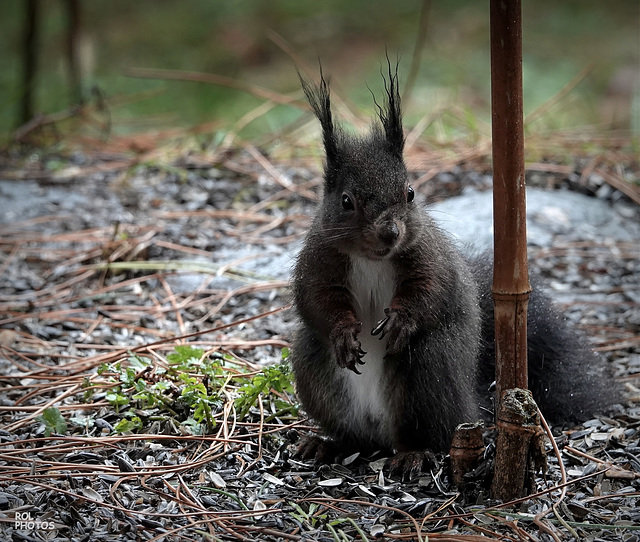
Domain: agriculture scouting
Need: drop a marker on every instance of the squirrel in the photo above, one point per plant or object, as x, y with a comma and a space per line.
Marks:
395, 346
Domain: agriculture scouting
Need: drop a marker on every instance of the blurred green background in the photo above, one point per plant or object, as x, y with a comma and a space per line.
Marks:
234, 38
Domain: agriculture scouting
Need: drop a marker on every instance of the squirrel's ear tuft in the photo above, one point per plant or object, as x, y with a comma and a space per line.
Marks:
319, 99
391, 114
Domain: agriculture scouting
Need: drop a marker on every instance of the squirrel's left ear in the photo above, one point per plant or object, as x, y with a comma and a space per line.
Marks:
320, 101
391, 115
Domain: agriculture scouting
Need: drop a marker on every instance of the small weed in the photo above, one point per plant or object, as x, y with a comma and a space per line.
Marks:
129, 424
275, 378
307, 517
117, 399
197, 398
53, 421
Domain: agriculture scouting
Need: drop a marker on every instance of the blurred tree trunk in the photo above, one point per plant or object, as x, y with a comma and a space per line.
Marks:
30, 43
29, 59
74, 29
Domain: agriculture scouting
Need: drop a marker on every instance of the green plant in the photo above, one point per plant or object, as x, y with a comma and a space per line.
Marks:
190, 391
53, 421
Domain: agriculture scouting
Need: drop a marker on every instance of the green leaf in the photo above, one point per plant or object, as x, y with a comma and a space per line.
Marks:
53, 421
202, 413
161, 385
188, 380
212, 369
128, 376
185, 355
128, 425
196, 389
117, 399
194, 427
138, 362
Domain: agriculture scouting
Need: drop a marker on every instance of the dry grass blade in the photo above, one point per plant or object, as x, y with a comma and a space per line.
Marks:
346, 108
215, 79
539, 517
418, 47
547, 106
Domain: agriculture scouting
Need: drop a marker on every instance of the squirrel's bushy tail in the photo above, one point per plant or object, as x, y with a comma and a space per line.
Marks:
569, 381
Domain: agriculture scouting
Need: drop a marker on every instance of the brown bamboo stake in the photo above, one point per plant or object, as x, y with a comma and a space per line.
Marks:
510, 275
467, 449
519, 446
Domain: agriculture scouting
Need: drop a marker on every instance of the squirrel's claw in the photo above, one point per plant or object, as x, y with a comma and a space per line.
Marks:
358, 360
379, 329
396, 328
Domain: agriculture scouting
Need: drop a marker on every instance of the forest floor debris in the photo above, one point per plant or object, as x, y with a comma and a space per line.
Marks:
139, 307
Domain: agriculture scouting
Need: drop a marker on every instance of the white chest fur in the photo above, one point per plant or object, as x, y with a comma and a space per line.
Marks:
372, 284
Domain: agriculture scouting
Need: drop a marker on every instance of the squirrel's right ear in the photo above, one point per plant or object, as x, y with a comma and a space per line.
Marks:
319, 99
391, 115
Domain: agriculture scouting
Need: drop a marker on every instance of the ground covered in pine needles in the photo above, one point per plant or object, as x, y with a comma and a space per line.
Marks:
145, 395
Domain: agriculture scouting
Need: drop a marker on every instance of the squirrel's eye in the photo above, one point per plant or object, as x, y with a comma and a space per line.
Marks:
347, 204
410, 194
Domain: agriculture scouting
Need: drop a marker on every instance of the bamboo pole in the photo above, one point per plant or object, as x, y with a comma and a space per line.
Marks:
510, 275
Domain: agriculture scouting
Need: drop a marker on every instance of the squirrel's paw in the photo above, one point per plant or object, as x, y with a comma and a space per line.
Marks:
397, 329
410, 465
315, 447
347, 349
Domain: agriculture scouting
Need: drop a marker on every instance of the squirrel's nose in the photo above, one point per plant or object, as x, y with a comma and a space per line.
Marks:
389, 232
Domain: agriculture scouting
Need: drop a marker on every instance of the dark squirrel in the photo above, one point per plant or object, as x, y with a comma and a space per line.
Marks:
395, 346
